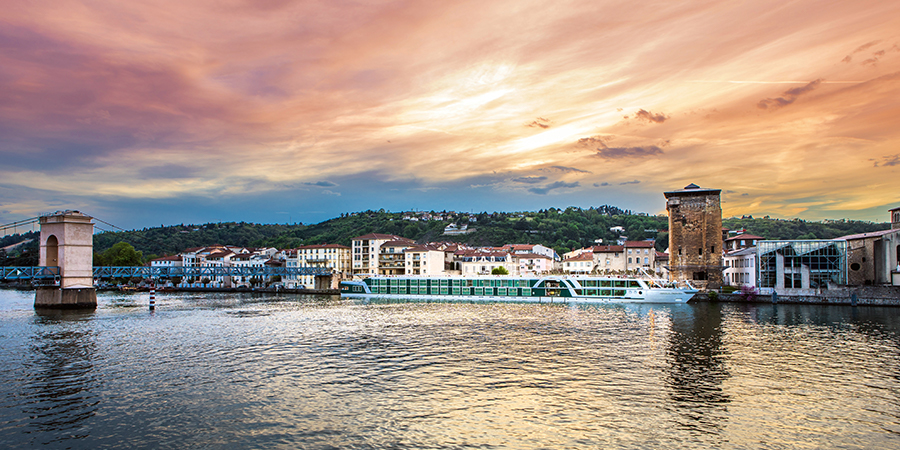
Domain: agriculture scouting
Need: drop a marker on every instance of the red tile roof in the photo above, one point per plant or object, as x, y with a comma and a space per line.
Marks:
398, 243
745, 236
169, 258
532, 256
371, 236
609, 248
586, 256
302, 247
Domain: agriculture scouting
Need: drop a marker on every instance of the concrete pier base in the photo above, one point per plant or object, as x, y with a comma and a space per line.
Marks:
68, 298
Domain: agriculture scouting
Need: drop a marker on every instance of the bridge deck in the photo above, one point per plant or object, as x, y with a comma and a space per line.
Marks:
43, 273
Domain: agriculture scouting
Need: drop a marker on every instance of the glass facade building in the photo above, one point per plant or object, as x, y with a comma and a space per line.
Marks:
806, 264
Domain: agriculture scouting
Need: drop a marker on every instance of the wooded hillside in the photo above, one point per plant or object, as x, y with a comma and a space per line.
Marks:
561, 229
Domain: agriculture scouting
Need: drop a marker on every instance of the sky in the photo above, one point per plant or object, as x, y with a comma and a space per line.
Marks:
164, 112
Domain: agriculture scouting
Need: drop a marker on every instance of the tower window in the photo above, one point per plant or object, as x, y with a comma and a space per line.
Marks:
700, 251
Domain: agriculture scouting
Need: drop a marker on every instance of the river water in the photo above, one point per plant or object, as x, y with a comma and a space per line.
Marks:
241, 371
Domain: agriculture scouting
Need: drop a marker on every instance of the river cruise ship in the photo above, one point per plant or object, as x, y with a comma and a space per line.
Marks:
546, 289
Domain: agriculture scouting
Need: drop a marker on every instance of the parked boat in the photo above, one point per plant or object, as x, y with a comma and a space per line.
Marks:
547, 289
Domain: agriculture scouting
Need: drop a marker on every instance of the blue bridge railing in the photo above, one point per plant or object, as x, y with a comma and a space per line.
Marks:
45, 273
28, 273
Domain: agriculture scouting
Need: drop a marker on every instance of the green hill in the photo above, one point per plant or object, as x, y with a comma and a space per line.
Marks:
561, 229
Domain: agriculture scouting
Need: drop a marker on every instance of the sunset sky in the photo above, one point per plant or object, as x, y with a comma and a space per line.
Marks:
165, 112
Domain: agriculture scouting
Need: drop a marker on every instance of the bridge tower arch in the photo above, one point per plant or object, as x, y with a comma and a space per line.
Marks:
67, 241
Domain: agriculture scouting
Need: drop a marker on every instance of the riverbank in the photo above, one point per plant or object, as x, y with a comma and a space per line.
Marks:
28, 287
849, 296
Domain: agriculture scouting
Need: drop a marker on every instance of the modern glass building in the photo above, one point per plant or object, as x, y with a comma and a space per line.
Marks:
801, 264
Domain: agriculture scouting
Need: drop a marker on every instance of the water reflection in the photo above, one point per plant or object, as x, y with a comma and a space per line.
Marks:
60, 397
696, 370
240, 371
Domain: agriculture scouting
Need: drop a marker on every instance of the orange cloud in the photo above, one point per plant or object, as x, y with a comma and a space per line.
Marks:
298, 92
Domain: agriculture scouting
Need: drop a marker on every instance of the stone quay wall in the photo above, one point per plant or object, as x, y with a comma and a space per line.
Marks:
865, 296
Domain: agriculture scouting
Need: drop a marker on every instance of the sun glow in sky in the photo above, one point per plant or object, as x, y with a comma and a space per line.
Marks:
164, 112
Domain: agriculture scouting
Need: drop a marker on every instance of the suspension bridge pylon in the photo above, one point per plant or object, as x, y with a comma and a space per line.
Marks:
67, 241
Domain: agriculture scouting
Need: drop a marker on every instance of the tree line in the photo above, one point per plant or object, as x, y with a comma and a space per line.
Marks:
560, 229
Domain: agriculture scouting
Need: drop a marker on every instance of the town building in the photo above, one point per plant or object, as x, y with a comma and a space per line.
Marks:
454, 229
609, 258
741, 240
631, 256
801, 267
874, 258
391, 257
366, 250
530, 248
531, 264
740, 267
581, 263
167, 261
335, 257
248, 260
639, 255
661, 268
481, 262
424, 260
695, 236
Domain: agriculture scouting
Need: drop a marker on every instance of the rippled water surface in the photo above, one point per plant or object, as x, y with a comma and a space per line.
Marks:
242, 371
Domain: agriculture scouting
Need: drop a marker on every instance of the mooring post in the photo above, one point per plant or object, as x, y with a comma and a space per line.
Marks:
774, 297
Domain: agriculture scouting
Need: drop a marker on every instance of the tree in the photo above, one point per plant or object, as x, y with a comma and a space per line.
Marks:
499, 271
121, 254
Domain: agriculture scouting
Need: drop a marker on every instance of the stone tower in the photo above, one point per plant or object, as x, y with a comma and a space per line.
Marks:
67, 242
695, 236
895, 218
